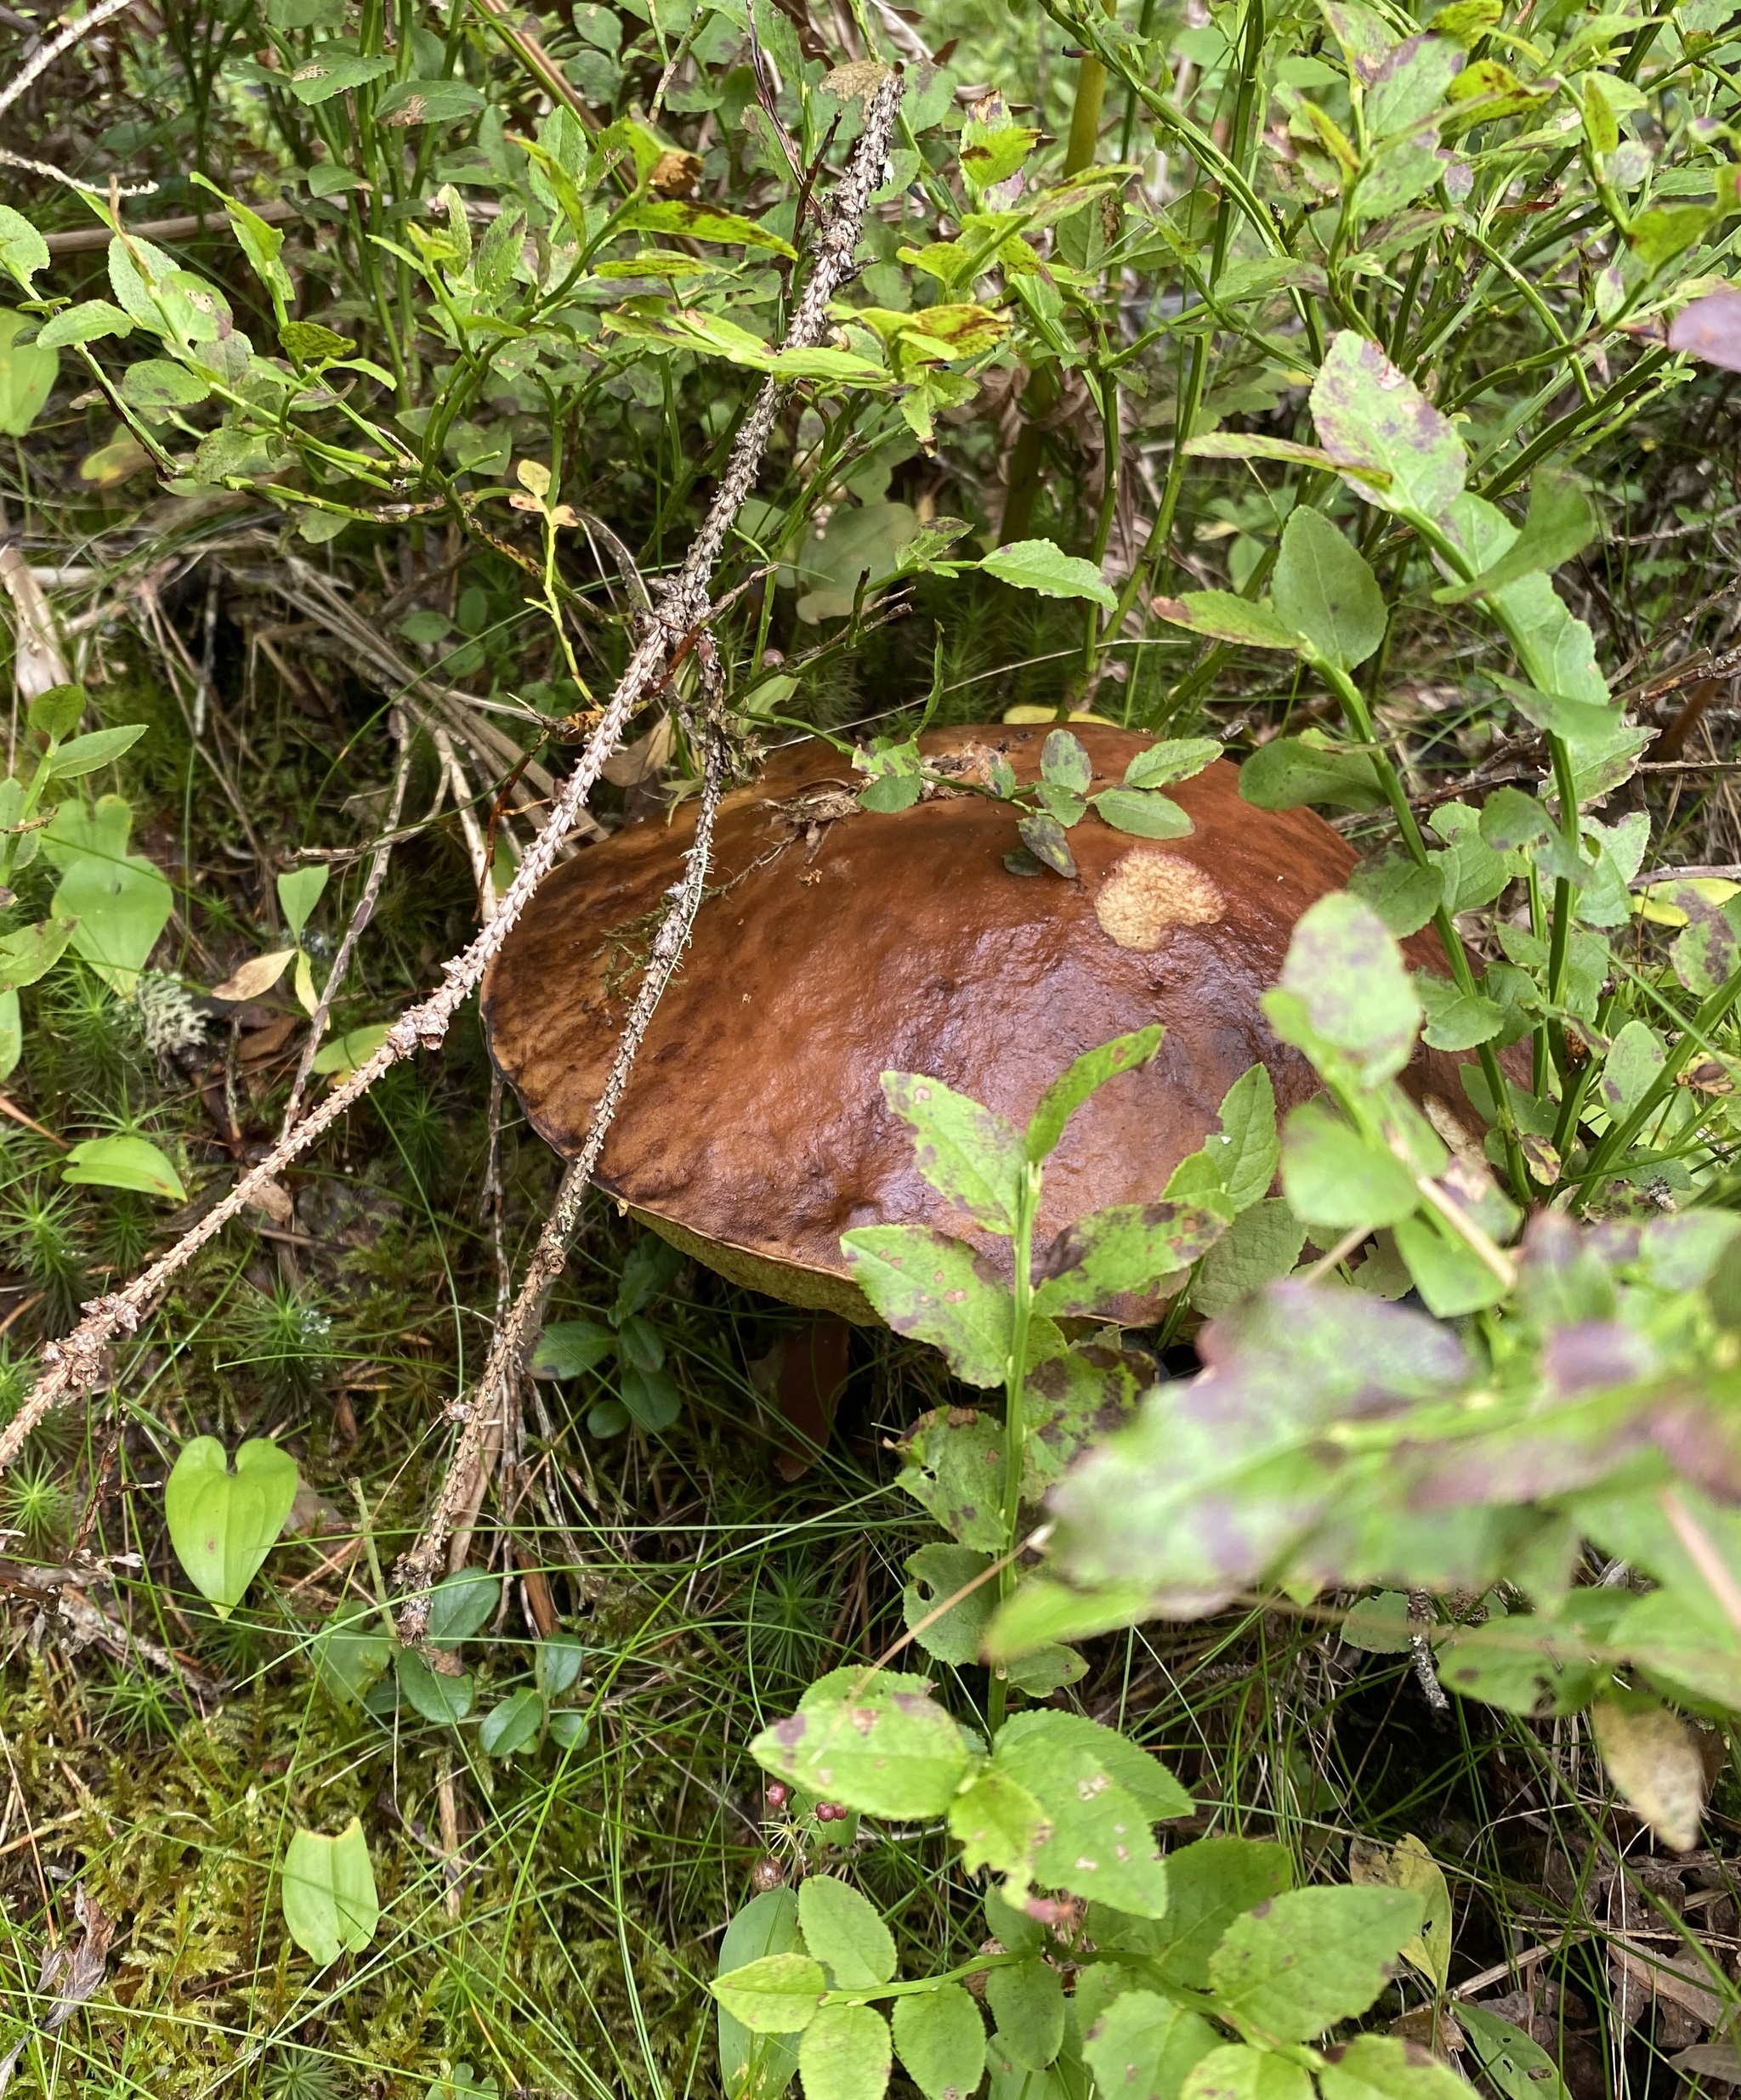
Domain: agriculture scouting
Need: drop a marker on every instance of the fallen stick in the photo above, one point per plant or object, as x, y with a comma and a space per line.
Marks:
74, 1365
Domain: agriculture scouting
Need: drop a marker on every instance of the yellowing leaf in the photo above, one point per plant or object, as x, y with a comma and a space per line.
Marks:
257, 974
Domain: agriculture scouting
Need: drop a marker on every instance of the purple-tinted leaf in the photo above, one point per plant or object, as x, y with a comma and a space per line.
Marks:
1599, 1353
1045, 840
1705, 951
1710, 328
1371, 416
1119, 1252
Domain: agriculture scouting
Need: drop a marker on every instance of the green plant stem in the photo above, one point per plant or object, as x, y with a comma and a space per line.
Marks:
1617, 1142
1015, 1419
1190, 395
1360, 721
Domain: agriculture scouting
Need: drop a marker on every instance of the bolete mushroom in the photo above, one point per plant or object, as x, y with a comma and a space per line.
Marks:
837, 943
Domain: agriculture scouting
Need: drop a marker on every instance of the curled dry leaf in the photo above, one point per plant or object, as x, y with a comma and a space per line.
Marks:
1655, 1765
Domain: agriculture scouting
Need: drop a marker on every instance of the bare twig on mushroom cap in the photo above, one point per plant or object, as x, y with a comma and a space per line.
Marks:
74, 1364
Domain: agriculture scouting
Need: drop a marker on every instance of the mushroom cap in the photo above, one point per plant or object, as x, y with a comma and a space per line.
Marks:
837, 943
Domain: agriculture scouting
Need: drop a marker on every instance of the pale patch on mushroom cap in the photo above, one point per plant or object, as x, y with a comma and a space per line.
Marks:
1149, 892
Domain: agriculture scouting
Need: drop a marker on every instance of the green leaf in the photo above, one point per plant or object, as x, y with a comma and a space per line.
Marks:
1085, 1075
1064, 760
1518, 2067
409, 102
1705, 952
756, 2067
777, 1993
298, 893
652, 1398
89, 321
157, 386
954, 1468
1238, 2071
1399, 891
311, 343
27, 375
1311, 1957
1335, 1177
1456, 1019
124, 1163
23, 250
1037, 565
85, 754
966, 1152
845, 1934
327, 1887
121, 902
571, 1346
1143, 2044
1408, 1864
346, 1052
1325, 591
1632, 1067
1561, 523
941, 2040
1288, 773
1210, 1883
443, 1696
332, 71
845, 2054
1027, 2000
1373, 418
558, 1661
1261, 1245
1245, 1149
55, 714
885, 1752
223, 1525
514, 1725
351, 1651
997, 1822
703, 222
1451, 1277
1229, 618
1346, 998
937, 1290
935, 1572
1379, 2066
462, 1605
1122, 1252
1100, 1792
1172, 760
31, 952
1142, 814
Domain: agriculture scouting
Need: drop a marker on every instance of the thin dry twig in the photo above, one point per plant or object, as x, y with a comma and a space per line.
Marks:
359, 921
29, 73
73, 1365
485, 1417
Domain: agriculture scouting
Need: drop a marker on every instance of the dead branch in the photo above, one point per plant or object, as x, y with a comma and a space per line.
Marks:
73, 1365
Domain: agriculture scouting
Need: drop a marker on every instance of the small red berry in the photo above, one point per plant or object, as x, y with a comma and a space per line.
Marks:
776, 1795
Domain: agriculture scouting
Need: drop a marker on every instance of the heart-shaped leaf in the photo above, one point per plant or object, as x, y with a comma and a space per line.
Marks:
328, 1889
223, 1525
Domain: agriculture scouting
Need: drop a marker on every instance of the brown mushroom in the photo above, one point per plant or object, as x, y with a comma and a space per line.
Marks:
837, 943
